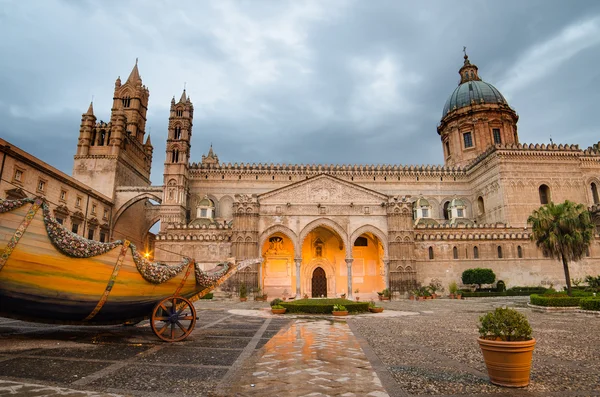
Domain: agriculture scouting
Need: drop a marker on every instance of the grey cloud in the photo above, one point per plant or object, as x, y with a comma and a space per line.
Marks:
293, 95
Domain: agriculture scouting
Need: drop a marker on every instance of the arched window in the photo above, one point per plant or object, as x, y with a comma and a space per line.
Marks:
480, 206
175, 157
475, 252
544, 194
587, 251
447, 148
499, 252
455, 253
101, 138
177, 132
446, 214
179, 113
595, 193
519, 251
430, 252
93, 142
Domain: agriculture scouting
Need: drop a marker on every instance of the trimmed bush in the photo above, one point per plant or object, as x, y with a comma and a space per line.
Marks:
510, 292
590, 304
276, 302
555, 300
478, 276
527, 290
500, 286
323, 306
504, 324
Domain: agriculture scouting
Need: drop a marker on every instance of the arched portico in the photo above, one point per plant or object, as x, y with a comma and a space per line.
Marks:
277, 247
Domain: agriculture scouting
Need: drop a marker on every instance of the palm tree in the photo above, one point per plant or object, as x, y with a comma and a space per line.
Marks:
563, 231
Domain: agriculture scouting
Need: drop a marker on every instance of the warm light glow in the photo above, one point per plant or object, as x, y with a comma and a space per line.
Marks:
147, 255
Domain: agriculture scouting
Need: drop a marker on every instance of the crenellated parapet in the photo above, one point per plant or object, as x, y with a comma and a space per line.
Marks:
496, 231
389, 170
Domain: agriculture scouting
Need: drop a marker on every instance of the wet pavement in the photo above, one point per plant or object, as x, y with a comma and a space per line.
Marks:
240, 349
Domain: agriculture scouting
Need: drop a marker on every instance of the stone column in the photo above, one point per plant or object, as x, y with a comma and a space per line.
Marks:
386, 272
298, 262
349, 265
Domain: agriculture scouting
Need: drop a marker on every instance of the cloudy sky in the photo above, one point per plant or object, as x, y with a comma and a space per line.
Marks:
349, 81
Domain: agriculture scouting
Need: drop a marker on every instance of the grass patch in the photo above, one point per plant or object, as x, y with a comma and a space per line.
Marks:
323, 306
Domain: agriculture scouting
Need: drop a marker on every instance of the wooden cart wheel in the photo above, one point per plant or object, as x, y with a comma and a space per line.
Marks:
173, 319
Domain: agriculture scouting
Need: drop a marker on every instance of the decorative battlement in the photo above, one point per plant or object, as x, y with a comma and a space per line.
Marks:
532, 149
310, 169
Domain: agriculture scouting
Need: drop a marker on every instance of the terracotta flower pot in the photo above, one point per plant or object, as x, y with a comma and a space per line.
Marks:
243, 299
412, 297
451, 296
344, 313
458, 296
376, 309
278, 311
508, 363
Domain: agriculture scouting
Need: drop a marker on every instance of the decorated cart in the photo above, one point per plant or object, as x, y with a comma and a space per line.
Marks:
49, 274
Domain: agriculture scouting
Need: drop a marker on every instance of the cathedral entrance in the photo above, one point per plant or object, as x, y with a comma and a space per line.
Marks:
319, 283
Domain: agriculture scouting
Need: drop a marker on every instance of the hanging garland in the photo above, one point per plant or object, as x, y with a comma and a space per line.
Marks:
9, 205
206, 280
72, 244
156, 272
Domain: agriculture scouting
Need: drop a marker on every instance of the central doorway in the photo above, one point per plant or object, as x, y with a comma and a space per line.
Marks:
319, 283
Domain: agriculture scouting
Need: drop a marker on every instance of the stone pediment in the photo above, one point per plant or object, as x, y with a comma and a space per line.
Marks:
323, 189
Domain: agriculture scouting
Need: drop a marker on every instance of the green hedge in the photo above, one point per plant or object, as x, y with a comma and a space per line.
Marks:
527, 290
556, 300
469, 294
208, 296
323, 306
590, 304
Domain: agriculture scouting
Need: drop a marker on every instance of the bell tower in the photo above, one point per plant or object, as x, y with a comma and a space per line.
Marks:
114, 154
176, 172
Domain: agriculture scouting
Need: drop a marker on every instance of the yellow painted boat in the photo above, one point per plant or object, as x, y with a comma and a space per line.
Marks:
48, 274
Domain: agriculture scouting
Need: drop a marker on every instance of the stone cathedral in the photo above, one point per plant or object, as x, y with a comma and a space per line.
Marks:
325, 230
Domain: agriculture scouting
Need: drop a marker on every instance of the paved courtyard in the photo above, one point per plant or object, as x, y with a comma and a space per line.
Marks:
239, 349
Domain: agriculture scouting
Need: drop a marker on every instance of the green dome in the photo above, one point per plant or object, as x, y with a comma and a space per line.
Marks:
421, 202
457, 203
205, 202
476, 91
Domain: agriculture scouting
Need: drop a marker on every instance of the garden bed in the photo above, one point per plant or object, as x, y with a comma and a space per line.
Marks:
323, 306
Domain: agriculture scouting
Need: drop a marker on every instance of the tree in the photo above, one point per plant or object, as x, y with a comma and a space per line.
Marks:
478, 276
563, 231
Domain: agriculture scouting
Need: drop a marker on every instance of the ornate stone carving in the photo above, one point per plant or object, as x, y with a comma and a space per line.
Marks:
323, 189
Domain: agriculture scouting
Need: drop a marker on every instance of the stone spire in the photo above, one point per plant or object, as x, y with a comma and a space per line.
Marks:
90, 111
148, 143
183, 98
134, 76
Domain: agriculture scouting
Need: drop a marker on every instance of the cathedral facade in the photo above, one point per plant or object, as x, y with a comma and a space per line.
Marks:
327, 230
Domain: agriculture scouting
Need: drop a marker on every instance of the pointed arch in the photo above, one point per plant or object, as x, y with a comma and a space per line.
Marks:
289, 233
376, 232
329, 224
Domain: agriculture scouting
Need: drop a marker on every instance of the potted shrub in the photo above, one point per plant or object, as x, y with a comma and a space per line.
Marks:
243, 293
384, 295
434, 286
453, 288
374, 309
259, 296
343, 296
339, 310
277, 309
305, 296
356, 291
507, 346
